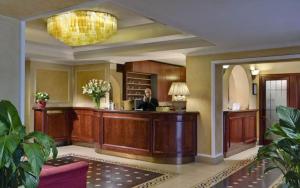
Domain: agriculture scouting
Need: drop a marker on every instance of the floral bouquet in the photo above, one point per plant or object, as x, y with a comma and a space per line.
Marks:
41, 99
96, 89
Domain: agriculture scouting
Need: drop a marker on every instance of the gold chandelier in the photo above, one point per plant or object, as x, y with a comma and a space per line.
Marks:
82, 27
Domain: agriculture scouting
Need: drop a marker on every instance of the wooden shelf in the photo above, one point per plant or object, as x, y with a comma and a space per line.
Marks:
139, 73
135, 89
138, 84
138, 78
135, 94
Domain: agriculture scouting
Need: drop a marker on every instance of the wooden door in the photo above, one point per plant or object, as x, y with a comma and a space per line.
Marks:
274, 91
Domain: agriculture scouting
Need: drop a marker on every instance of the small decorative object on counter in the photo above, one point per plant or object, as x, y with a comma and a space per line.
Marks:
96, 89
41, 99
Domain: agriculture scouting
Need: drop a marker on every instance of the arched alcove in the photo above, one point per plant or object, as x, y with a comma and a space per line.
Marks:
236, 87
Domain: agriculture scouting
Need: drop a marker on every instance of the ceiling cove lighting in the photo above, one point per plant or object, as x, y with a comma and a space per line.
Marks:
82, 27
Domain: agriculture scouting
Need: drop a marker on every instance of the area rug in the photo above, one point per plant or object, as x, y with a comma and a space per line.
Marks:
240, 175
103, 173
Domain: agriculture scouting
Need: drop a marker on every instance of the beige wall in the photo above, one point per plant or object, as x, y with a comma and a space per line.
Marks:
280, 67
10, 57
84, 73
64, 84
199, 82
55, 79
116, 80
198, 79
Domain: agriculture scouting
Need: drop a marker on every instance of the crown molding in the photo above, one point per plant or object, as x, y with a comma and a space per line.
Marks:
49, 52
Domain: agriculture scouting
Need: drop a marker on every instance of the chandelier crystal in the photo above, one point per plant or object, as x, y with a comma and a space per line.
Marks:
82, 27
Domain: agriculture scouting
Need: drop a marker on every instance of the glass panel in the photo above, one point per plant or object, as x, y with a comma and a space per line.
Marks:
276, 94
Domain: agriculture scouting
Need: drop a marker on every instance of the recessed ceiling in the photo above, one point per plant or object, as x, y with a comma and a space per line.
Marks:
231, 25
28, 8
138, 38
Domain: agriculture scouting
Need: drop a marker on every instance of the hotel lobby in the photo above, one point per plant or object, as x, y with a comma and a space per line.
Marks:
136, 93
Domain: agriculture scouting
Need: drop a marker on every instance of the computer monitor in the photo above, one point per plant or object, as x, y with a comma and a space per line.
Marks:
137, 102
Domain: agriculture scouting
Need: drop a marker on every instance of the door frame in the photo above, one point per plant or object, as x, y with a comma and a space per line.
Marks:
216, 123
262, 101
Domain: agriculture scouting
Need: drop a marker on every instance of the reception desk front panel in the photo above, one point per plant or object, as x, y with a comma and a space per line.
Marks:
164, 137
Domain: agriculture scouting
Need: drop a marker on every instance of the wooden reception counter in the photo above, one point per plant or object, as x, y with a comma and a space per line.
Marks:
162, 137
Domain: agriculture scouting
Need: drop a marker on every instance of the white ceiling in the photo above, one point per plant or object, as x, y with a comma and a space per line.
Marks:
231, 24
171, 29
25, 9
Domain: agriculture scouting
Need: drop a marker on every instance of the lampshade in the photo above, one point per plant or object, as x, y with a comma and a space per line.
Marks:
179, 88
82, 27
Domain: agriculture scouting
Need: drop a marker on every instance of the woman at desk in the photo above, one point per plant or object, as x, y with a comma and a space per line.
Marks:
149, 103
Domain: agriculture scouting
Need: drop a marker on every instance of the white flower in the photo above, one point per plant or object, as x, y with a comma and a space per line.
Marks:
96, 88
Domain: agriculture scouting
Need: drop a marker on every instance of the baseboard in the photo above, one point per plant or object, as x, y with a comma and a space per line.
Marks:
210, 159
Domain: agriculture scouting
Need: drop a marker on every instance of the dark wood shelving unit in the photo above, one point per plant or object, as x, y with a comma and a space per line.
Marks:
136, 83
158, 76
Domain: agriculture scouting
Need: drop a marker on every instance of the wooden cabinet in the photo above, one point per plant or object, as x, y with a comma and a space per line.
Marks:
174, 135
164, 137
86, 126
129, 133
160, 77
55, 123
239, 131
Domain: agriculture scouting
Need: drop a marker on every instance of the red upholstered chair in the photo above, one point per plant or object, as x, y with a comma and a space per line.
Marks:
69, 175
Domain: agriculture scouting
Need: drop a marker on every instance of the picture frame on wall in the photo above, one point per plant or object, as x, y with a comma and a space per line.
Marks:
254, 88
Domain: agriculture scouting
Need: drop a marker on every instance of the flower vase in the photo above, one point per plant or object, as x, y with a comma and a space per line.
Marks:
41, 104
97, 102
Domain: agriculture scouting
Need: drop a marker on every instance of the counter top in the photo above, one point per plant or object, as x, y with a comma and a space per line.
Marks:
237, 111
116, 111
162, 137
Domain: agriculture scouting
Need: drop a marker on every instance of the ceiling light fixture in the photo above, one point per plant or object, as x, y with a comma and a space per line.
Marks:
82, 27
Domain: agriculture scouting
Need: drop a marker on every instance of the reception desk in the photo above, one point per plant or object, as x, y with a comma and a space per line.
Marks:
162, 137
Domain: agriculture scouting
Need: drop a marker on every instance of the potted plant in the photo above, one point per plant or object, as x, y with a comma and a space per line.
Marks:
41, 99
283, 153
21, 155
96, 89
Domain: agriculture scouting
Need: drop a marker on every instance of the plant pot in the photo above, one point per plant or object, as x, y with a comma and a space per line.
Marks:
41, 104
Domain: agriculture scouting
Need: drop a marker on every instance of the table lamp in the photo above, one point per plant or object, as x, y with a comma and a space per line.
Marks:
179, 91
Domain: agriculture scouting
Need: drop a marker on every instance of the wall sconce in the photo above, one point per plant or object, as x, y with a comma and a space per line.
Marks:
254, 72
225, 67
179, 91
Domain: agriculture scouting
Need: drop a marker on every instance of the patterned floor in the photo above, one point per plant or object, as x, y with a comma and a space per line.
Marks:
255, 178
110, 175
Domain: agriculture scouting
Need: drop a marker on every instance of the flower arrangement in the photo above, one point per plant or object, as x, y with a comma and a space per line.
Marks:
41, 96
41, 99
96, 89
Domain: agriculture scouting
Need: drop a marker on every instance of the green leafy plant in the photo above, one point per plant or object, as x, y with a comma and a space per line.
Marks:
41, 96
21, 155
283, 153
